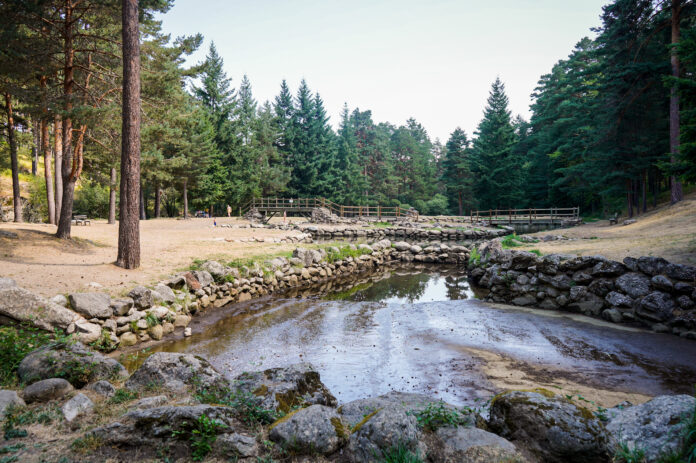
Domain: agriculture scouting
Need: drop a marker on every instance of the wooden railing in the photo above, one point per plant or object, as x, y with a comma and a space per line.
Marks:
307, 204
550, 215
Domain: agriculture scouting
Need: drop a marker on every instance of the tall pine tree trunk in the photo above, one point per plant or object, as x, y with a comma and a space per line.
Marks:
35, 149
459, 201
185, 199
112, 196
143, 213
158, 201
48, 174
676, 193
58, 168
129, 225
16, 198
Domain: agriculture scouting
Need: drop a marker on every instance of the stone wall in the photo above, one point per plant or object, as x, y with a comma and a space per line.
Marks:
405, 233
648, 291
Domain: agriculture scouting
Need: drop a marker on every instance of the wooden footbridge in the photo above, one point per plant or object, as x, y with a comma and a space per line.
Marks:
551, 217
269, 207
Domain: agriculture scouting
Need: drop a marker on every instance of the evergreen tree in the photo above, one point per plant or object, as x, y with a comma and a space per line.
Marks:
496, 170
456, 174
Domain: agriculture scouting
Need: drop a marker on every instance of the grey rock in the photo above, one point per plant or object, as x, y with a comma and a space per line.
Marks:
681, 272
472, 445
661, 282
142, 297
634, 284
121, 306
204, 278
601, 287
652, 265
612, 315
581, 278
631, 263
655, 426
387, 428
685, 288
685, 302
47, 389
608, 268
165, 292
215, 268
87, 332
236, 445
618, 300
175, 372
150, 402
74, 362
24, 306
284, 388
102, 387
522, 260
552, 428
78, 405
317, 428
9, 399
656, 306
60, 300
91, 305
153, 425
401, 246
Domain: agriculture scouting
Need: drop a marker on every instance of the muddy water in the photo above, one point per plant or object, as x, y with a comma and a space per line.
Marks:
426, 333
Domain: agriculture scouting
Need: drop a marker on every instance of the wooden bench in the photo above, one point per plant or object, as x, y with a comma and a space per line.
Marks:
81, 220
614, 220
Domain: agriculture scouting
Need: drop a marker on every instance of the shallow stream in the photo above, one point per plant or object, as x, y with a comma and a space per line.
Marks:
424, 331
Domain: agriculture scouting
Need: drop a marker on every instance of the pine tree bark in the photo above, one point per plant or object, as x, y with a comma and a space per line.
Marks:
185, 200
35, 149
58, 170
16, 198
129, 225
676, 193
143, 213
112, 196
459, 201
158, 201
48, 173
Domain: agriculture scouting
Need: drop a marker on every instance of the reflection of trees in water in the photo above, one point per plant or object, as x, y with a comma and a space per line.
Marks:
456, 287
410, 287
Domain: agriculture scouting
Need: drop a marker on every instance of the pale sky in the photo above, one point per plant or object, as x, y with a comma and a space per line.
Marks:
430, 60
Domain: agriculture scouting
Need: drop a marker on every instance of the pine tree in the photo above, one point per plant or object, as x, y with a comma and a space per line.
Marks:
457, 175
497, 172
301, 156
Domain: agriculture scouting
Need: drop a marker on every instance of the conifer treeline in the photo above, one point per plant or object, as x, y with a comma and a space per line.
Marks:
599, 135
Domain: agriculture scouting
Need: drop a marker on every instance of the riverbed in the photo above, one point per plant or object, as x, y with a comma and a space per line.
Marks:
425, 332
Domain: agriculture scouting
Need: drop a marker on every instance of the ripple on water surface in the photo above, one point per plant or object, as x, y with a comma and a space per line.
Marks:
422, 332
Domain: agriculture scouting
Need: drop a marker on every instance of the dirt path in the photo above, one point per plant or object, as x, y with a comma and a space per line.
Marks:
49, 266
668, 232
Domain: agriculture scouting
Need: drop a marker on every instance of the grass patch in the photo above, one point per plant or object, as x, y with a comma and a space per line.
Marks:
398, 454
474, 258
85, 445
536, 251
343, 253
437, 415
382, 225
247, 406
122, 396
510, 241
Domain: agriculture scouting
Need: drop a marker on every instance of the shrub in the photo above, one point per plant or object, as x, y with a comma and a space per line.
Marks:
37, 206
474, 257
92, 199
246, 405
437, 205
202, 436
122, 395
437, 415
15, 344
510, 241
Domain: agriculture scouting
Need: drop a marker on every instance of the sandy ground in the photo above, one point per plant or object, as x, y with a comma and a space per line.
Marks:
668, 232
49, 266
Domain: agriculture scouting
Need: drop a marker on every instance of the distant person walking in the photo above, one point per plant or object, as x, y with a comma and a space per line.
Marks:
229, 210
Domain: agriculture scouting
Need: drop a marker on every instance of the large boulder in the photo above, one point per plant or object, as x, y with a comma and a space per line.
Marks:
46, 389
142, 297
608, 268
166, 293
204, 277
317, 428
24, 306
176, 372
656, 426
383, 430
155, 425
9, 399
634, 284
656, 306
651, 265
550, 427
73, 362
681, 272
91, 305
215, 268
282, 389
471, 445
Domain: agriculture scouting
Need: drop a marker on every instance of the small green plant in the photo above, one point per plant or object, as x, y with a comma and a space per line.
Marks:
11, 448
104, 343
134, 326
510, 241
151, 320
77, 371
12, 420
87, 444
246, 405
535, 251
196, 264
474, 257
15, 343
437, 415
201, 436
624, 454
397, 454
122, 395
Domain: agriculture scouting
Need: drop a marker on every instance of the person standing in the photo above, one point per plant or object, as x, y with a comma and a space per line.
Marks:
229, 210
